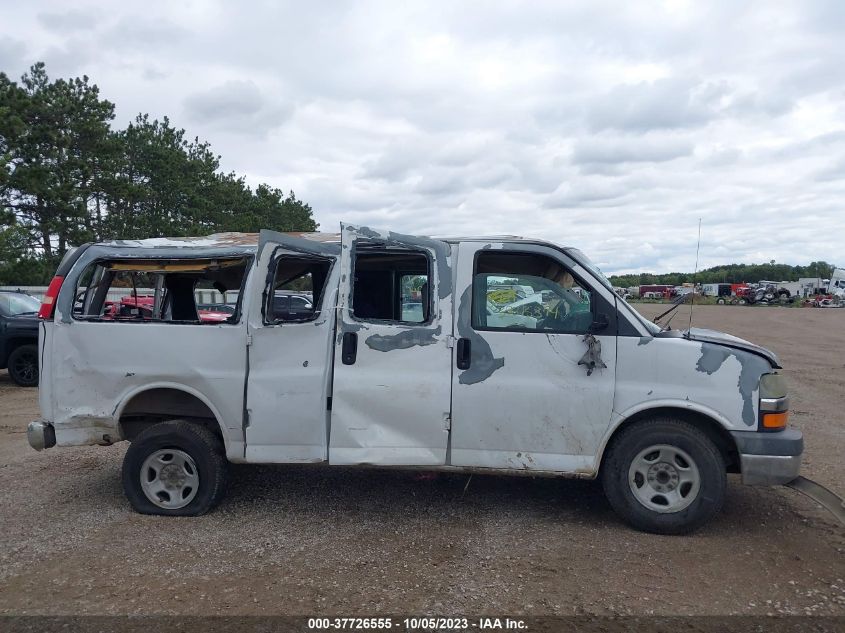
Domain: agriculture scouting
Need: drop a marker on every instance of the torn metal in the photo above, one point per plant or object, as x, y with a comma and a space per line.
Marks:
592, 357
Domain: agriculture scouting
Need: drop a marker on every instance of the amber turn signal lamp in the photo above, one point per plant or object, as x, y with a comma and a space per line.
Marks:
775, 420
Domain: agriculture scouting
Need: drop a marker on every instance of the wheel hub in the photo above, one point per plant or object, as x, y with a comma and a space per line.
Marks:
172, 476
663, 477
169, 478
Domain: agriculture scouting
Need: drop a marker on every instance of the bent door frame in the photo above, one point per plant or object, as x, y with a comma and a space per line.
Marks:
289, 365
391, 403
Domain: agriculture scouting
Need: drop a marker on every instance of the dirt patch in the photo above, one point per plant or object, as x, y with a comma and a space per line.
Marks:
308, 540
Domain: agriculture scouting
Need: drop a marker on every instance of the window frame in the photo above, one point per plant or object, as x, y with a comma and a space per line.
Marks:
399, 272
235, 319
521, 330
269, 291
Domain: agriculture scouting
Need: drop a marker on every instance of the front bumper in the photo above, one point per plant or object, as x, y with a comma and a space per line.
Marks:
40, 434
768, 459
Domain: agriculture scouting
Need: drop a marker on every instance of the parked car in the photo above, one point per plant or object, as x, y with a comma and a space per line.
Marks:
143, 307
288, 305
586, 387
19, 337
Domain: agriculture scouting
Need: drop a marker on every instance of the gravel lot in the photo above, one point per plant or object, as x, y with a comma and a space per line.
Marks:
308, 540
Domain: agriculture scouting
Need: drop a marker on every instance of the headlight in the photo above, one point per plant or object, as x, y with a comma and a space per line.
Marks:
773, 386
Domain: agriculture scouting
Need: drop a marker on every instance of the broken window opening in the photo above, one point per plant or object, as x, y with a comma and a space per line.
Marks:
297, 288
188, 291
528, 292
392, 286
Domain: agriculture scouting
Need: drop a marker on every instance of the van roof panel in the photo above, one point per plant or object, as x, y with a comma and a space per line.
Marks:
248, 242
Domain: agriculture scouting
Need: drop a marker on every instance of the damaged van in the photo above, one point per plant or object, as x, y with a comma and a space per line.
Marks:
489, 355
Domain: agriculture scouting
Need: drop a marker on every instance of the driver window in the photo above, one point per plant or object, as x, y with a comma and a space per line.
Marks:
528, 292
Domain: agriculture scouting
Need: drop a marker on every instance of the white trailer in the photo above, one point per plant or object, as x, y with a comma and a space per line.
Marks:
811, 286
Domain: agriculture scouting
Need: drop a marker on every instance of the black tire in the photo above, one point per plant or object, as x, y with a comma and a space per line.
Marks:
204, 448
679, 434
720, 301
23, 365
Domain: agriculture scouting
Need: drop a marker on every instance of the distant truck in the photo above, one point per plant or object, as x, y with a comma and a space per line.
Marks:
716, 290
836, 286
813, 285
656, 291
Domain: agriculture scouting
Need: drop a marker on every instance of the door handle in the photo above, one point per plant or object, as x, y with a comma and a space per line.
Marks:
349, 351
464, 353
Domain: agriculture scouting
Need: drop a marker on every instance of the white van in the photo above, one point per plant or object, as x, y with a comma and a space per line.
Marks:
574, 384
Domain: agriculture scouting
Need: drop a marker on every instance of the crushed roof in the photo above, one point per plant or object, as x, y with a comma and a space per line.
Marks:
250, 240
217, 240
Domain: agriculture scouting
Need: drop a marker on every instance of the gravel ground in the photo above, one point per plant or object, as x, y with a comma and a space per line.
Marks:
310, 540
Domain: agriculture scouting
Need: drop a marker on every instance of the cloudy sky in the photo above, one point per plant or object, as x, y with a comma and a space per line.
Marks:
612, 127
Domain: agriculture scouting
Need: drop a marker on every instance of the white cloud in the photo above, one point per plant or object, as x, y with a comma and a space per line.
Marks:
610, 126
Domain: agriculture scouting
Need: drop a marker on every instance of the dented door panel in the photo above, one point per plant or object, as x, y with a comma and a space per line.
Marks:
525, 403
289, 366
390, 405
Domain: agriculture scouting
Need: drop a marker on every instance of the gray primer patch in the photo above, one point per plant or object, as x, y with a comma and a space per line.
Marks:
483, 363
712, 358
403, 340
752, 367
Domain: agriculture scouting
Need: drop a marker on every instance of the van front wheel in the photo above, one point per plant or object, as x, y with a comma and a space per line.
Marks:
664, 476
175, 468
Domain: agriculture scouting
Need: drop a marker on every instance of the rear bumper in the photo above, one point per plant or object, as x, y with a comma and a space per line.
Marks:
768, 459
40, 434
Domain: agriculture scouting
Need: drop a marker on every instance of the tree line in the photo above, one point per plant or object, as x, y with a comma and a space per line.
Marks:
68, 177
729, 273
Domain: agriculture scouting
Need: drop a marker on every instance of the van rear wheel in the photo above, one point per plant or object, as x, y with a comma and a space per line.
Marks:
664, 476
175, 468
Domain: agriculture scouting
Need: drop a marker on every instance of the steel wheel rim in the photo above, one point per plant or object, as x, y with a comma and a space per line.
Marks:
664, 478
169, 478
26, 367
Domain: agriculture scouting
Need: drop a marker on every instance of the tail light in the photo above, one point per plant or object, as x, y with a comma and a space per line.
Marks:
48, 303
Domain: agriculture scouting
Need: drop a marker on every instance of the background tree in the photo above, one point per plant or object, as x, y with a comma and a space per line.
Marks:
67, 177
730, 273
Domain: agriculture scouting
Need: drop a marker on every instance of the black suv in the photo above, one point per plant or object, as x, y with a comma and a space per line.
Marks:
19, 337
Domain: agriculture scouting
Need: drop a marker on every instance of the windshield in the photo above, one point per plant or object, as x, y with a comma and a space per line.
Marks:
12, 304
598, 274
590, 266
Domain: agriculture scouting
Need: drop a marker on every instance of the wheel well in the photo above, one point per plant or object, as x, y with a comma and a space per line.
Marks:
160, 404
14, 343
715, 431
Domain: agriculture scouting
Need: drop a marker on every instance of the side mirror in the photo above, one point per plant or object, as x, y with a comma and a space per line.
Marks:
600, 323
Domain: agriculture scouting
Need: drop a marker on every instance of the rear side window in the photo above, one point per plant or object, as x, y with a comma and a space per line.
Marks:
192, 291
296, 290
391, 286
